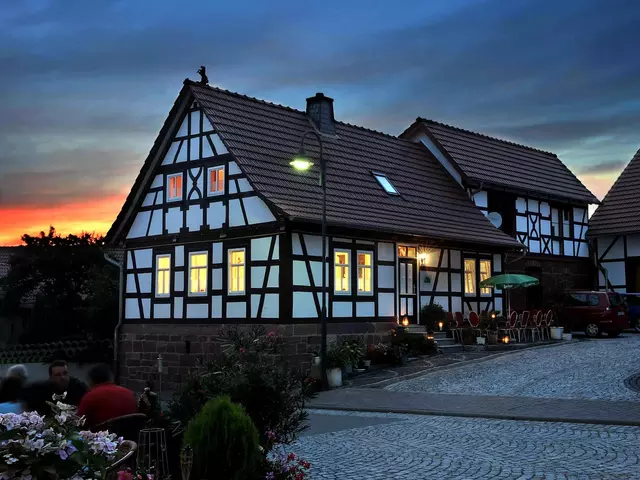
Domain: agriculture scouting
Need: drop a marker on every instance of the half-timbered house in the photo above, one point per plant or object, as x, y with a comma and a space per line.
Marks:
219, 229
615, 231
527, 193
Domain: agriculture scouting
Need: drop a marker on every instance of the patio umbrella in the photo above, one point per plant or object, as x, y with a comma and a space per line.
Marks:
509, 280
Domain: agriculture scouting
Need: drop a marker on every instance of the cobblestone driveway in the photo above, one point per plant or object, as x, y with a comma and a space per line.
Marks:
416, 447
594, 369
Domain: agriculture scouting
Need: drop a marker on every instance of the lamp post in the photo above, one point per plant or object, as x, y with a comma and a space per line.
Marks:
303, 162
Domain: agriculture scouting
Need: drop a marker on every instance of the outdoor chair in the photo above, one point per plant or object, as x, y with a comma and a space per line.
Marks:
550, 322
534, 328
524, 324
542, 326
474, 321
125, 461
510, 327
126, 426
453, 325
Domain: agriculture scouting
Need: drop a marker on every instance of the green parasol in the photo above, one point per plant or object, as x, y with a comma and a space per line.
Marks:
509, 280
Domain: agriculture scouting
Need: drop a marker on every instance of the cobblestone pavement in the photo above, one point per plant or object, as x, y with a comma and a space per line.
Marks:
415, 447
591, 369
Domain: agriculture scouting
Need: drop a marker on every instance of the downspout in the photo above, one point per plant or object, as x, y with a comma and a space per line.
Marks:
521, 256
120, 311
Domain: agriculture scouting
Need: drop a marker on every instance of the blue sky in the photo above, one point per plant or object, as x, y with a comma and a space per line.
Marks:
85, 86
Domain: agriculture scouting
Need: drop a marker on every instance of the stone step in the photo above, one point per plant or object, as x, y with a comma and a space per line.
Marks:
447, 349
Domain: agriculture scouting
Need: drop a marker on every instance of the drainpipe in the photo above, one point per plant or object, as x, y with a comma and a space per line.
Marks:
522, 255
120, 311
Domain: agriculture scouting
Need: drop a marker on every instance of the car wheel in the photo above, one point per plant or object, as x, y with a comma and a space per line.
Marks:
614, 334
592, 330
637, 324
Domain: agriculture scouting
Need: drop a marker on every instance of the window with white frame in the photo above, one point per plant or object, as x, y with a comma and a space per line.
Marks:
385, 183
163, 275
485, 272
174, 187
237, 271
216, 181
198, 273
365, 273
469, 276
342, 285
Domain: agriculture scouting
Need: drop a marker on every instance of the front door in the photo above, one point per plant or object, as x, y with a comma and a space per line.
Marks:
408, 276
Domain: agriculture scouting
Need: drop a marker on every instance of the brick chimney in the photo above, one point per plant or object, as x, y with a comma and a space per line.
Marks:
320, 111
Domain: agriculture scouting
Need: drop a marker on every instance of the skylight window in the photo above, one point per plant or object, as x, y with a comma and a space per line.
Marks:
386, 184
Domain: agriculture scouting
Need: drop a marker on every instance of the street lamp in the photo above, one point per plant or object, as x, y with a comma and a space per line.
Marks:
301, 161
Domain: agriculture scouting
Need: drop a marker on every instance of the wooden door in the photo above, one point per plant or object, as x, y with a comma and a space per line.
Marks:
408, 280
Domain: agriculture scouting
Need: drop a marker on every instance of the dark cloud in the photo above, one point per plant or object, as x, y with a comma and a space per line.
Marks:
612, 166
82, 77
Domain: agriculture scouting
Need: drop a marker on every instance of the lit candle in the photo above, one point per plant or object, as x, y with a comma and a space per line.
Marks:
440, 325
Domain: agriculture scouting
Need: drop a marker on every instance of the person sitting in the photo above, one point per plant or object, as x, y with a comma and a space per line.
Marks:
37, 394
105, 400
10, 392
19, 371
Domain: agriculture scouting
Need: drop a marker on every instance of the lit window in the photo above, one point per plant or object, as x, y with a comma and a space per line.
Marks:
163, 275
407, 251
342, 284
236, 271
469, 277
216, 180
365, 268
386, 184
485, 272
174, 187
198, 273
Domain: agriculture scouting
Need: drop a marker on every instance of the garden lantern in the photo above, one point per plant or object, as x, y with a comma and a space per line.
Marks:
506, 339
440, 325
405, 322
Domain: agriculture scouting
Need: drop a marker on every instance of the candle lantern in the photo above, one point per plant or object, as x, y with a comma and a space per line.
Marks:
405, 322
440, 325
506, 339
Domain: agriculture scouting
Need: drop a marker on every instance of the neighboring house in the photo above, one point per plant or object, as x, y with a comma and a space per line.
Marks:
219, 229
615, 230
528, 193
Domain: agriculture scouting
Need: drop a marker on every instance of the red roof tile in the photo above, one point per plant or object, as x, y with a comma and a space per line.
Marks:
499, 163
619, 212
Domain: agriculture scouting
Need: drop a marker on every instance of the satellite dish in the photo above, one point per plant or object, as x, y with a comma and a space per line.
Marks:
495, 218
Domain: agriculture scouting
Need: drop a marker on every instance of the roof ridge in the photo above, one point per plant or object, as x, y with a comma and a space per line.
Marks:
290, 109
482, 135
241, 95
603, 203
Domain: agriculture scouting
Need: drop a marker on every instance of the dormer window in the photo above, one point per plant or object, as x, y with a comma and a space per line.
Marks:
385, 183
174, 187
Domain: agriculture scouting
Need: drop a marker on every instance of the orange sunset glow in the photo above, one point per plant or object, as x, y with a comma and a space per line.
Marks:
92, 215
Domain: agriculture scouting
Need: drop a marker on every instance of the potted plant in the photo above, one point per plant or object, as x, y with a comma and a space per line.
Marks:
366, 359
335, 363
433, 315
556, 332
567, 334
315, 358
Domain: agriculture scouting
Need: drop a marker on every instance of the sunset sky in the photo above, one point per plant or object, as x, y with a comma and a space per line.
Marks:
85, 86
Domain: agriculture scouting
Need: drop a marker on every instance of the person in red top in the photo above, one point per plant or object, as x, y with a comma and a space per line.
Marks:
105, 400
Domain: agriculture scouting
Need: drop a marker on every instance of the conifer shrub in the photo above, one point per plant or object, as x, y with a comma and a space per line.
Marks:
224, 441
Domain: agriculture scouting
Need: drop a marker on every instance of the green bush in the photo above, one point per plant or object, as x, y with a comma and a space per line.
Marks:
224, 442
413, 343
430, 315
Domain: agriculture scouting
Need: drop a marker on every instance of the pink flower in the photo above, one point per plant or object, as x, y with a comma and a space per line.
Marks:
271, 334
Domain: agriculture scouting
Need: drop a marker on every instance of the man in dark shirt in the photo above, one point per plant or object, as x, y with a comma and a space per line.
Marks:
105, 400
37, 394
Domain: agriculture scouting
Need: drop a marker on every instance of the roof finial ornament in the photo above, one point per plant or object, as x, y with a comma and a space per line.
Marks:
204, 80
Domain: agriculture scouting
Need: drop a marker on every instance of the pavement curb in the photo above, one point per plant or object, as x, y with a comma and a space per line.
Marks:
439, 413
427, 371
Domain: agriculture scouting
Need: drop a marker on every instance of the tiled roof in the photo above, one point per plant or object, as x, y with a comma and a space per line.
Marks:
619, 212
263, 137
499, 163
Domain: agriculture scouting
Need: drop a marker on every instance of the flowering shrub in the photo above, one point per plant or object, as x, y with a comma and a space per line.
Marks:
34, 446
283, 466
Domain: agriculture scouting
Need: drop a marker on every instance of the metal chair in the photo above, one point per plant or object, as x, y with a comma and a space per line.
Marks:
126, 426
523, 325
474, 321
127, 451
534, 328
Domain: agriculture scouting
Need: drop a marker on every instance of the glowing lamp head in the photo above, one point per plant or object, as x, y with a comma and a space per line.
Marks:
506, 339
440, 325
405, 322
493, 315
301, 163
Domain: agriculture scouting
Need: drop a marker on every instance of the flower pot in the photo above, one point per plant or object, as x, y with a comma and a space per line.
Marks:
480, 341
567, 336
334, 377
366, 363
556, 333
316, 360
347, 369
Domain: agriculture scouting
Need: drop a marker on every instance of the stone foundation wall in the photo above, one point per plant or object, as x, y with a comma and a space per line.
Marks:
185, 347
